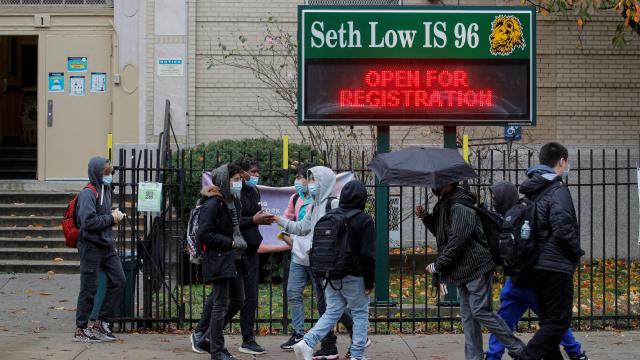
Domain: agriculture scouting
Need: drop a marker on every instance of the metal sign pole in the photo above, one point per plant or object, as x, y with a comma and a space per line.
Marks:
382, 225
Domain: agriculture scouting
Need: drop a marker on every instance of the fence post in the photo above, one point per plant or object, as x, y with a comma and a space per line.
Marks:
450, 142
382, 225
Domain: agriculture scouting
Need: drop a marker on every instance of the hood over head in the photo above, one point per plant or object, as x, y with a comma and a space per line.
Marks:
353, 195
505, 196
325, 180
220, 178
96, 168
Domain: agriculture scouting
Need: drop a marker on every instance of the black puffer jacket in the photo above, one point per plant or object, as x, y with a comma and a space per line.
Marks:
250, 200
463, 251
363, 230
556, 225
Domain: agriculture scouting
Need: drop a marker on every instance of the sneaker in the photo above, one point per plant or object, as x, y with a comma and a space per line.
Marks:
582, 356
222, 355
348, 355
195, 340
294, 339
102, 331
251, 347
326, 353
228, 354
85, 335
303, 351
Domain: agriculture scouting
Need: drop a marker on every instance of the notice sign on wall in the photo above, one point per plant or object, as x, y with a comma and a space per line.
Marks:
149, 196
416, 65
170, 67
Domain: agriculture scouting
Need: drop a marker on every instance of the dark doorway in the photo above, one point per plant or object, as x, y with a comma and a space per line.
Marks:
18, 107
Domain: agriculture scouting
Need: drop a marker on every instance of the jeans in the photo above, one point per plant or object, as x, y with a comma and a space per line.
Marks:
92, 260
514, 301
248, 311
299, 276
475, 310
351, 294
554, 294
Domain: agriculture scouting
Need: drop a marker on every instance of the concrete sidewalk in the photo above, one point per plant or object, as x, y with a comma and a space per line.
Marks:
37, 322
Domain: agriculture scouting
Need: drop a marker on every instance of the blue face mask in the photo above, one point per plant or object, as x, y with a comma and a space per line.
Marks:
253, 181
236, 187
565, 174
300, 187
313, 189
107, 179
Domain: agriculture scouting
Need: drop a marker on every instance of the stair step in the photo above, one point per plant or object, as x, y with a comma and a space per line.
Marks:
33, 197
8, 209
9, 221
39, 266
54, 243
67, 254
32, 232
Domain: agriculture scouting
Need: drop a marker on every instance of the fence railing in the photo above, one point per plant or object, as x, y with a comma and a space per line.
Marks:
164, 289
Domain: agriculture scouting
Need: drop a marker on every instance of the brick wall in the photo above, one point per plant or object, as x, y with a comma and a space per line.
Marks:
583, 96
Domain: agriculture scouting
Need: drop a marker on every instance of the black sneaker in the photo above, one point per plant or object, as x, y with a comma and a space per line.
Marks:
102, 331
251, 347
348, 355
85, 335
195, 341
294, 339
582, 356
326, 353
228, 354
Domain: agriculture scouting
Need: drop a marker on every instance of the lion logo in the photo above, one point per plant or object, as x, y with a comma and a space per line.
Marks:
506, 35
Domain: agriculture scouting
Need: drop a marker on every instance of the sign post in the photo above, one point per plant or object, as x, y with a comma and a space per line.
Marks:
386, 66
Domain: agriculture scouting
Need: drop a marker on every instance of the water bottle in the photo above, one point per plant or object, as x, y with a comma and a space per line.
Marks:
525, 230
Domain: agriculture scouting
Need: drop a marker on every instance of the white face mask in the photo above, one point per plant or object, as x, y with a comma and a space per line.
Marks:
236, 187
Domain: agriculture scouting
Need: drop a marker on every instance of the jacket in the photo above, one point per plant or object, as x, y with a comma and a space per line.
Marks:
94, 210
463, 251
215, 228
505, 196
301, 244
556, 224
363, 232
250, 204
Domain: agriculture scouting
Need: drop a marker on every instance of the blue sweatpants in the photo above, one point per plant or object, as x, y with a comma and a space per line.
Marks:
514, 302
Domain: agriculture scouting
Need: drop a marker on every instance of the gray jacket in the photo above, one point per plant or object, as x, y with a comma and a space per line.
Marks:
94, 208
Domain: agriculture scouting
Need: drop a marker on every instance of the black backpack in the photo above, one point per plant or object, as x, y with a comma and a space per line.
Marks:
518, 254
491, 225
331, 255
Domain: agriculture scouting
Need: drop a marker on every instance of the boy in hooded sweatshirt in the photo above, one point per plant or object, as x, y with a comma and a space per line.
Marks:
321, 184
96, 246
516, 299
352, 290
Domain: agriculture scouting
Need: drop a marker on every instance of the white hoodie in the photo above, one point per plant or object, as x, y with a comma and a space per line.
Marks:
325, 180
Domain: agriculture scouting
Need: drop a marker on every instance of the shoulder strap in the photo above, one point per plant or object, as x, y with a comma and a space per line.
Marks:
296, 197
329, 202
352, 213
546, 189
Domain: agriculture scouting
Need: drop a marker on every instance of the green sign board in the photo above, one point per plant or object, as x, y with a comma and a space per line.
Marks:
407, 65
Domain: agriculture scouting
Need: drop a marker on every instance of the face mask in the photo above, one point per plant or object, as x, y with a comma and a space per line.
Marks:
565, 174
300, 187
313, 189
236, 187
107, 179
253, 181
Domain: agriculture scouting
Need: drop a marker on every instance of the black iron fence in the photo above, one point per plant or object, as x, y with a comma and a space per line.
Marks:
165, 290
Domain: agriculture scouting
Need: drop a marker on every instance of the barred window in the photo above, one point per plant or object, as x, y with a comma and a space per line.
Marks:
62, 3
353, 2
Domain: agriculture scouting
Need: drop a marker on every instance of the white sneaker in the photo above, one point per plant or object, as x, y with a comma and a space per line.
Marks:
303, 351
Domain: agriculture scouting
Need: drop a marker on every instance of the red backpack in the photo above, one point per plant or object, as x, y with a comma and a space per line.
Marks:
69, 223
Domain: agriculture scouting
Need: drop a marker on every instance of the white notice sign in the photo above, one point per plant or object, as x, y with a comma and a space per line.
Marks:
170, 67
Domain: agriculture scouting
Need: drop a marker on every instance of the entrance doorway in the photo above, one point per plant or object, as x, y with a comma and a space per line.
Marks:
18, 107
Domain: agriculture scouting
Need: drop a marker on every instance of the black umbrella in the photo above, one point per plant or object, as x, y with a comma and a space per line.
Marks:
433, 168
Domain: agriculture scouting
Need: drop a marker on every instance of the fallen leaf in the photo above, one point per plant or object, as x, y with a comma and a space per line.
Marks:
29, 291
27, 237
50, 275
58, 308
58, 259
18, 204
44, 293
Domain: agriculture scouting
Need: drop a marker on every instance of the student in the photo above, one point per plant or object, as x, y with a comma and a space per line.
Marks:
464, 259
219, 232
96, 246
352, 290
557, 233
251, 217
515, 300
322, 182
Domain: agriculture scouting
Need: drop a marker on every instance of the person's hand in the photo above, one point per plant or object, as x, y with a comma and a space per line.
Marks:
431, 268
443, 289
117, 215
262, 218
239, 244
287, 239
368, 291
419, 211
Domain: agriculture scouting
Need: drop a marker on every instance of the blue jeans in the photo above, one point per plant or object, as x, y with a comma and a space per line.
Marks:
514, 302
299, 276
340, 294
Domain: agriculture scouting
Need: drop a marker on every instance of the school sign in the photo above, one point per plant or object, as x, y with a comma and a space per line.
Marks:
408, 65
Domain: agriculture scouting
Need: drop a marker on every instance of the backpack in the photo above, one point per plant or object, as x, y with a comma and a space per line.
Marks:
331, 255
520, 254
194, 247
491, 225
70, 221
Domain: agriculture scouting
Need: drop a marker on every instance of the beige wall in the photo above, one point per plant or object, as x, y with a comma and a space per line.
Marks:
582, 94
